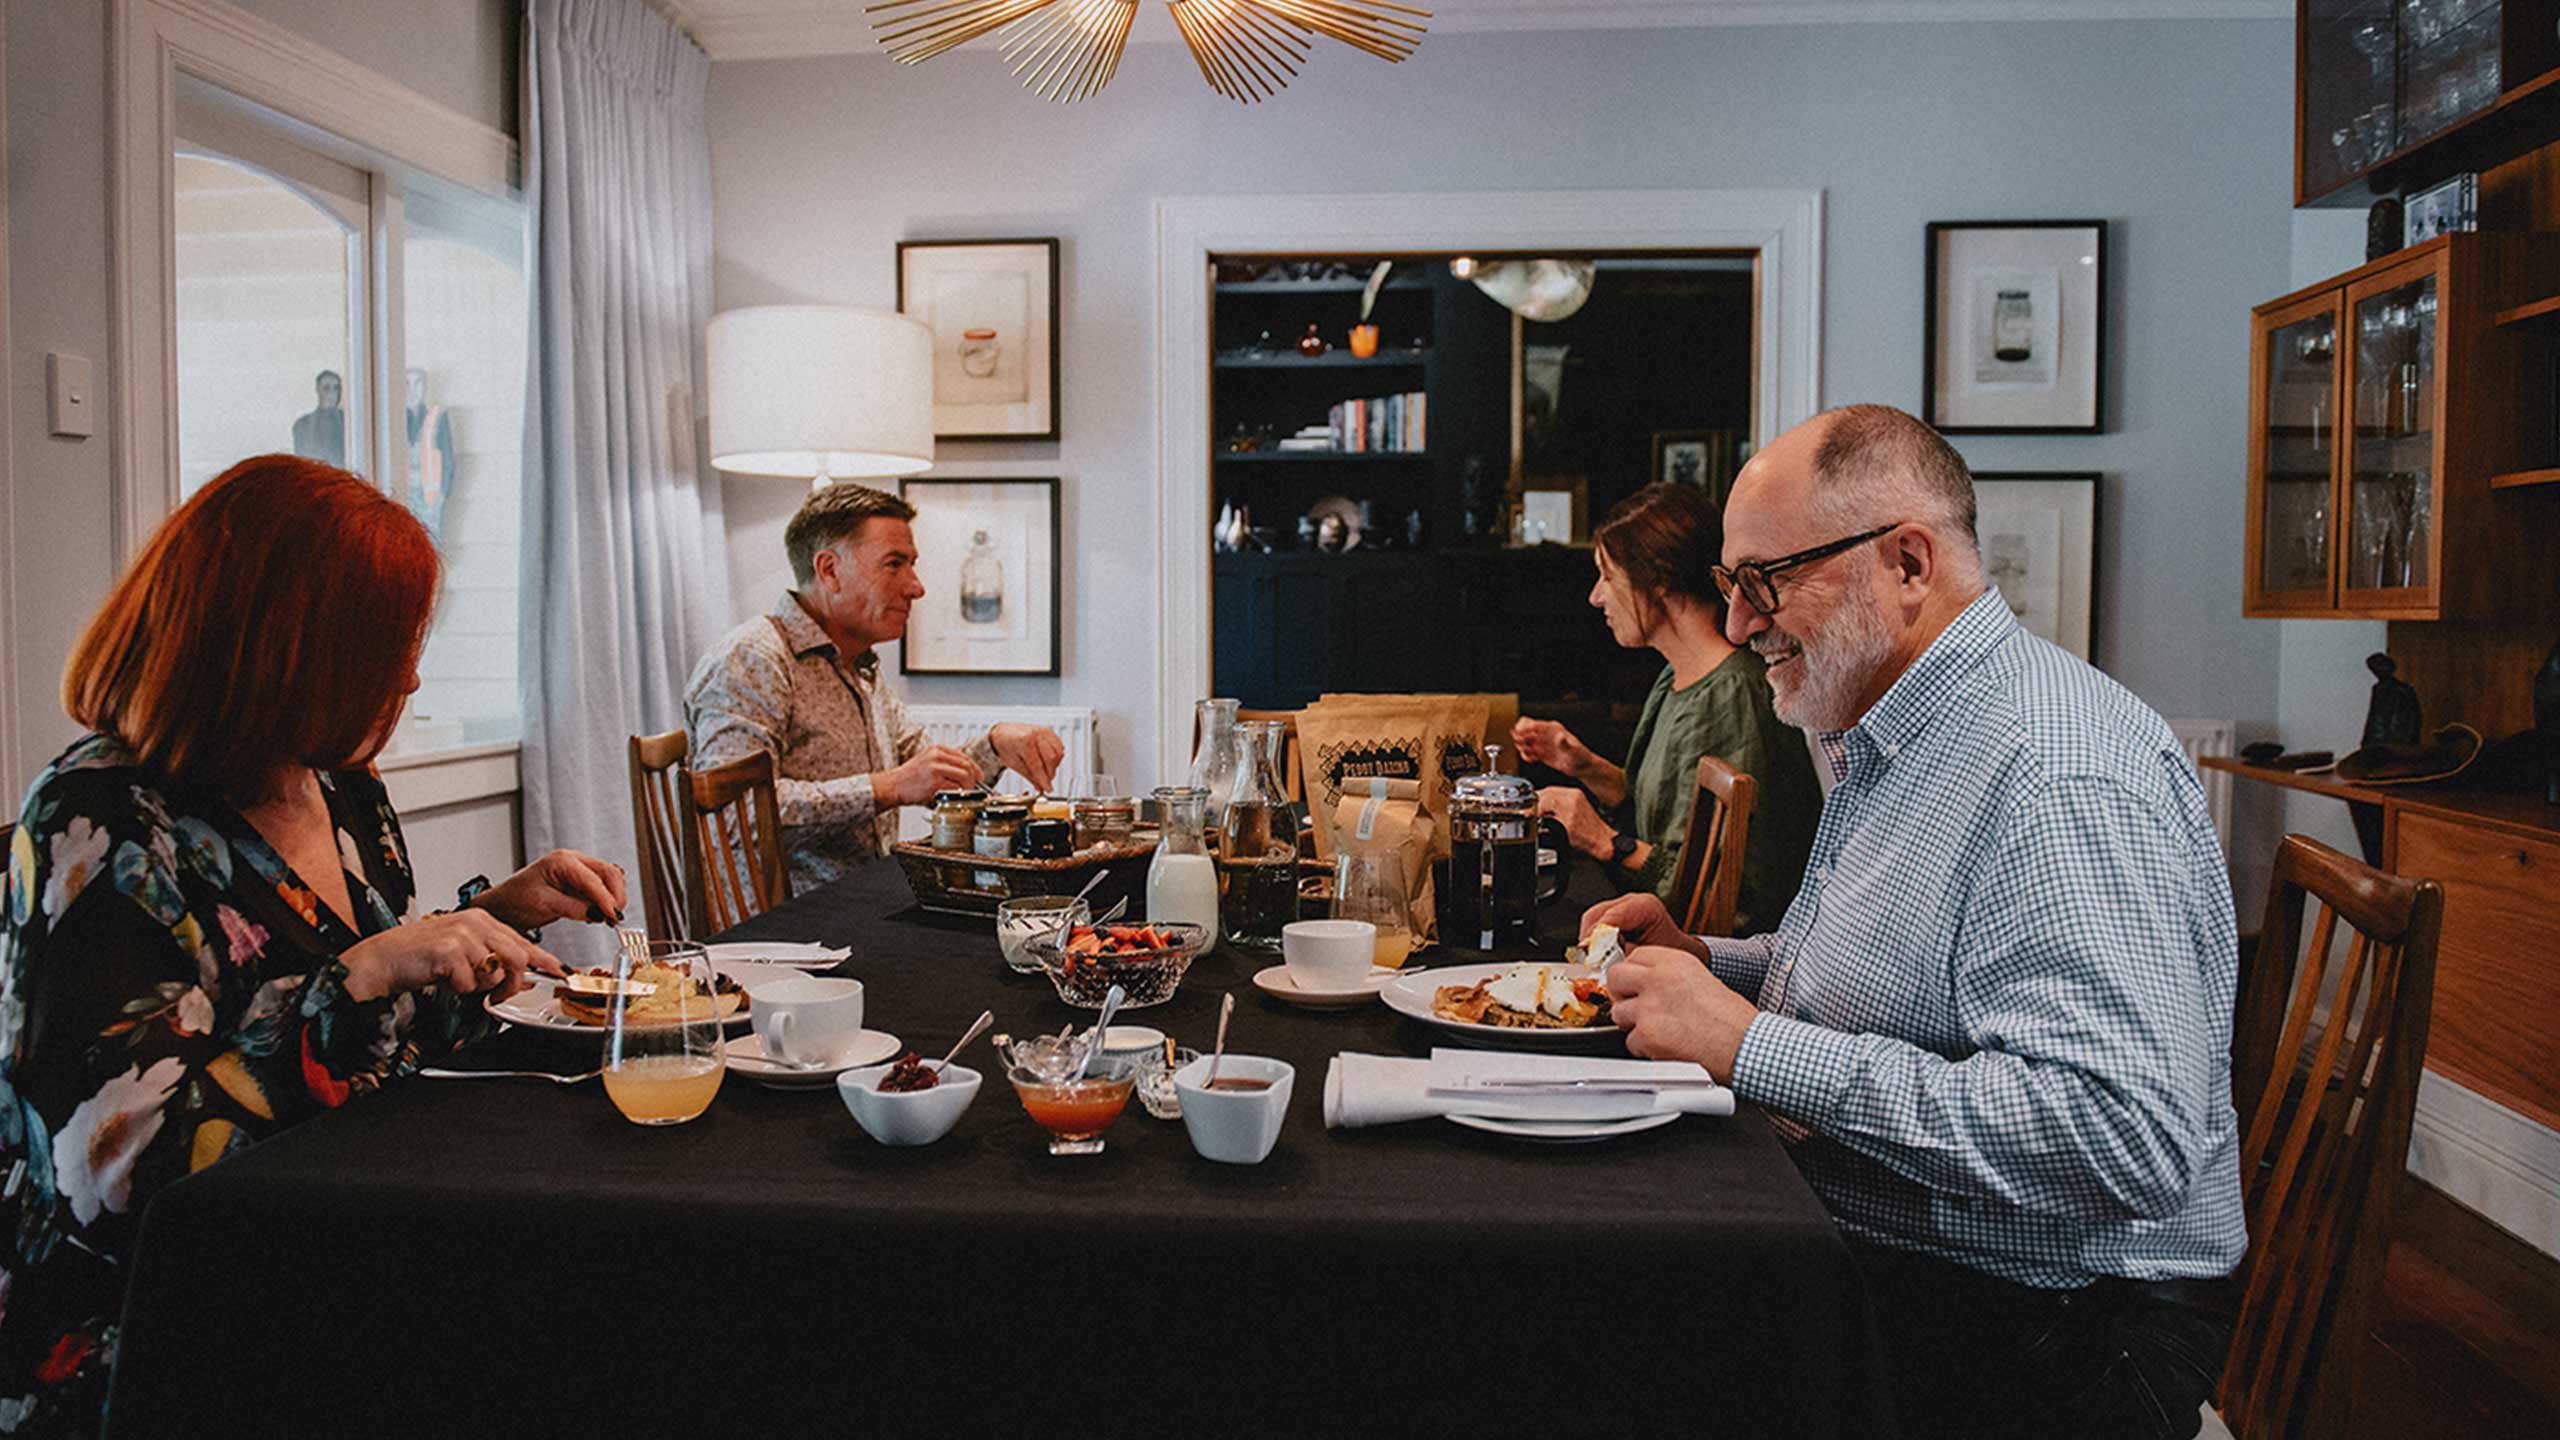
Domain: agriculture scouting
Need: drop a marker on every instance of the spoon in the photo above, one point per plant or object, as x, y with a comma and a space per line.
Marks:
1118, 909
1101, 1026
1226, 1012
985, 1019
1093, 880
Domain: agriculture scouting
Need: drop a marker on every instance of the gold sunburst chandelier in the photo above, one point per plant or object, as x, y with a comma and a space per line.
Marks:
1066, 50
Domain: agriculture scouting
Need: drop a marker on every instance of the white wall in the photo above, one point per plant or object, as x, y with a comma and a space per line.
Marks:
2178, 132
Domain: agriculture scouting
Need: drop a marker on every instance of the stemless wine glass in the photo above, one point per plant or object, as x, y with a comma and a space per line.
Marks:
662, 1049
1371, 887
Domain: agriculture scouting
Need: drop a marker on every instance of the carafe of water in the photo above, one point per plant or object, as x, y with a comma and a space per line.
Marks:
1214, 756
1258, 853
1489, 896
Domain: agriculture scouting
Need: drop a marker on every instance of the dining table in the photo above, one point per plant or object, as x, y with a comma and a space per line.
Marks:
501, 1256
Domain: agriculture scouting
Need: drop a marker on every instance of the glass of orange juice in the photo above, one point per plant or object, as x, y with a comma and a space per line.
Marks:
1371, 887
662, 1050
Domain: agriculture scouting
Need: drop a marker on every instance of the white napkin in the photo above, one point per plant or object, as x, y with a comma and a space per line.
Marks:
1386, 1090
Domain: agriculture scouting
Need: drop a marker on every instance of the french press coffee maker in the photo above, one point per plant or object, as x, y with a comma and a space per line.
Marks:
1488, 897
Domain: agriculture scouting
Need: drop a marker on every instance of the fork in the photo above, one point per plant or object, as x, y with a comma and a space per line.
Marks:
433, 1073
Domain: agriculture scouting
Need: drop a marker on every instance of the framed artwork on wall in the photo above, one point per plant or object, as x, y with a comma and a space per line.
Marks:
2016, 327
993, 308
987, 552
2039, 535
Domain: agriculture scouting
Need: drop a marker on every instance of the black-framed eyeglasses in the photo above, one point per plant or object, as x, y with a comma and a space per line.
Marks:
1756, 580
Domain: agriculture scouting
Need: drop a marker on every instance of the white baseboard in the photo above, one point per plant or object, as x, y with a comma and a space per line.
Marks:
2489, 1158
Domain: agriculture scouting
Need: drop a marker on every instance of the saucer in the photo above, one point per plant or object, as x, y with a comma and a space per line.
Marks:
1564, 1132
1274, 981
747, 1057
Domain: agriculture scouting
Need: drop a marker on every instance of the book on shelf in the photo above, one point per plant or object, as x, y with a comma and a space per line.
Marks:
1387, 423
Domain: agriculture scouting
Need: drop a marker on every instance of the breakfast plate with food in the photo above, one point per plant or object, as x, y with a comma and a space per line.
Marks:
581, 1002
1526, 1003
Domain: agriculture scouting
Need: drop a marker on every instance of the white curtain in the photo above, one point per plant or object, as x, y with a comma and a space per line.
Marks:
625, 570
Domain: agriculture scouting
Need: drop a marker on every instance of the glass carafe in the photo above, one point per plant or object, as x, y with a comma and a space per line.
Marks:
1258, 854
1491, 894
1214, 759
1182, 881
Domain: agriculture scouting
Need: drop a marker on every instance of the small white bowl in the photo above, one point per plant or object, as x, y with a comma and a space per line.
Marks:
907, 1117
1235, 1127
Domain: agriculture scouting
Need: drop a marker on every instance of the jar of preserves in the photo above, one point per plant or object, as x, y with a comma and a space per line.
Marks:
1000, 825
955, 819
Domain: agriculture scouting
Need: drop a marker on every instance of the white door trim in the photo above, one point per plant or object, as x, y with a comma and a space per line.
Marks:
150, 43
9, 776
1783, 228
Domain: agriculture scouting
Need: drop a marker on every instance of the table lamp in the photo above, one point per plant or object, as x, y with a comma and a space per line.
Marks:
831, 392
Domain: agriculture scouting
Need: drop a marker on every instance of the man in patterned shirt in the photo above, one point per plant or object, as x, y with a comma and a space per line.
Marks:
803, 684
1995, 1026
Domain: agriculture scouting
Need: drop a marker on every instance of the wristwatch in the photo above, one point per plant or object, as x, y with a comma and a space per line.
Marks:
478, 885
1622, 846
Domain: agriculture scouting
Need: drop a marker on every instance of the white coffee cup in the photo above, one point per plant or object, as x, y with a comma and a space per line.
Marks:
813, 1020
1328, 954
1235, 1127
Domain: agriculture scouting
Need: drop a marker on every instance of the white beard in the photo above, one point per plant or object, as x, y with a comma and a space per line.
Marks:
1820, 687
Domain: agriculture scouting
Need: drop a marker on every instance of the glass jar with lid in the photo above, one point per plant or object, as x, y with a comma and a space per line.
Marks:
1000, 824
955, 819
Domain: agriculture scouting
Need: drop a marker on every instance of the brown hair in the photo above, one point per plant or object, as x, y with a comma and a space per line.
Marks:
1666, 539
274, 620
831, 514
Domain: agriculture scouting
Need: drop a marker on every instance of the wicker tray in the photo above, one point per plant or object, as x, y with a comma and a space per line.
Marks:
956, 882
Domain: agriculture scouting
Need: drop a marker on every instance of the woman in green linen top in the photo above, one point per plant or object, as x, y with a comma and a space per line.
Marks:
1654, 552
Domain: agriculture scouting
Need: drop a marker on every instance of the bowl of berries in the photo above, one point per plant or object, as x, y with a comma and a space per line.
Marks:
1146, 961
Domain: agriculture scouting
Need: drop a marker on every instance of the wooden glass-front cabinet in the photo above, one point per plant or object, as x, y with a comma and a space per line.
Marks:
2381, 404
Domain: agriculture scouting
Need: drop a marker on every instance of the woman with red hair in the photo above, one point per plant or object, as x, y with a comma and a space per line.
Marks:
205, 934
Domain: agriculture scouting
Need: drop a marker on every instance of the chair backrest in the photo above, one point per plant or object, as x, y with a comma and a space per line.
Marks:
1293, 778
733, 843
657, 820
2324, 1130
1707, 886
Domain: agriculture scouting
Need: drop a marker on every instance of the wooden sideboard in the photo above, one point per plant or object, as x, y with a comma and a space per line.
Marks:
2496, 1030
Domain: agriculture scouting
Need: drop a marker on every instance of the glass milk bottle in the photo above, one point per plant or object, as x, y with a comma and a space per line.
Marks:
1182, 881
1258, 855
1214, 762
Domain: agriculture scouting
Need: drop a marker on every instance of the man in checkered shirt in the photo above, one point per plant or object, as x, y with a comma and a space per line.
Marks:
1995, 1026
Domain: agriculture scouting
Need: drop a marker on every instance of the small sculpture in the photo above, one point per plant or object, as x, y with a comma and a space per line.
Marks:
1312, 344
2393, 718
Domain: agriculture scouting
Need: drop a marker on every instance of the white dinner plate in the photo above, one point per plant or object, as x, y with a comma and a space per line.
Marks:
798, 954
1274, 981
535, 1008
747, 1057
1410, 994
1564, 1132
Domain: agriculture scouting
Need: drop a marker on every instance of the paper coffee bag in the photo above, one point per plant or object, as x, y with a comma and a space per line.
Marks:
1384, 818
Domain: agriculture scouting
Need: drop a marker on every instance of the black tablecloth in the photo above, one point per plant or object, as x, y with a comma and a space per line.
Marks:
481, 1257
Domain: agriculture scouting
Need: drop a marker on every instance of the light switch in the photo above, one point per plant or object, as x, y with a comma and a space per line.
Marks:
69, 398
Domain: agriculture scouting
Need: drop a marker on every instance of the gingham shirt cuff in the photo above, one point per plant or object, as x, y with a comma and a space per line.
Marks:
1743, 965
1796, 1069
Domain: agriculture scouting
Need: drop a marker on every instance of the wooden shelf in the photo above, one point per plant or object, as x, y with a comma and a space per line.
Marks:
2540, 315
2522, 812
1318, 457
2522, 478
2522, 119
1319, 287
1335, 360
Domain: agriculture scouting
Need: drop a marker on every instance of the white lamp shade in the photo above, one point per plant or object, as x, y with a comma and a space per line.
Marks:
811, 390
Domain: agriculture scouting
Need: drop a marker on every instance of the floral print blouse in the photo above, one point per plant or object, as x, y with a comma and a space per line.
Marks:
170, 992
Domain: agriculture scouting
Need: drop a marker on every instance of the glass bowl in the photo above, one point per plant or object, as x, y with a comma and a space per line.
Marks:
1026, 918
1074, 1112
1147, 976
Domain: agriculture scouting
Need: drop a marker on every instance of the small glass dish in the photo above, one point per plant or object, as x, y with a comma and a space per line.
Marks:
1147, 975
1155, 1082
1027, 918
1075, 1112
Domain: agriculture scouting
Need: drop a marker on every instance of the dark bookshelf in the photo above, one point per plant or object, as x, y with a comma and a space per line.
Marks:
1335, 360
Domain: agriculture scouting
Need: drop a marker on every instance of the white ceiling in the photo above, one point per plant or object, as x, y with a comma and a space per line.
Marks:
782, 29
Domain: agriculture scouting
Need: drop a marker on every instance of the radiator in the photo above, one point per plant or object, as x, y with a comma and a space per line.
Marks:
958, 725
2200, 738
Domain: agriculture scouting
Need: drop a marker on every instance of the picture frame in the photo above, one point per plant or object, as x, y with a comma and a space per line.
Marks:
2015, 324
1707, 459
989, 554
2039, 537
993, 308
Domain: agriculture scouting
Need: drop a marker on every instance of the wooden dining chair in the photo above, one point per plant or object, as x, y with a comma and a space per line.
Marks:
1707, 886
2324, 1131
732, 843
657, 821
